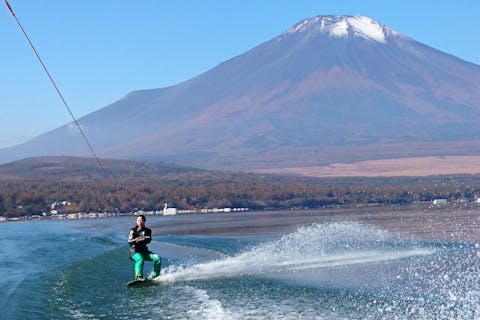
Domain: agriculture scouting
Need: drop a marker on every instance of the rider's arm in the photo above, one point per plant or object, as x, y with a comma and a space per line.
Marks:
148, 236
131, 236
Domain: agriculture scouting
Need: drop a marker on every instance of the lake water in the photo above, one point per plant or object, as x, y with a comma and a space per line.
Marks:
236, 266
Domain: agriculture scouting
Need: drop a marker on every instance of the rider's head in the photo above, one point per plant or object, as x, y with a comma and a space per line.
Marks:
141, 220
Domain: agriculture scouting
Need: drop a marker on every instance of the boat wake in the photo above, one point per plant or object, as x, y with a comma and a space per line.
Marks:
318, 246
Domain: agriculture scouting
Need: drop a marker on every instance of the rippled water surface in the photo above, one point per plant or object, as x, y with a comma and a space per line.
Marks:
344, 269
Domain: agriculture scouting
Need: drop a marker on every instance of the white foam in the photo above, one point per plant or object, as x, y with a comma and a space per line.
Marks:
317, 246
207, 308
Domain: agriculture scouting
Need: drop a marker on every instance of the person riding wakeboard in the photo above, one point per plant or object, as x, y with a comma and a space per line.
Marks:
138, 238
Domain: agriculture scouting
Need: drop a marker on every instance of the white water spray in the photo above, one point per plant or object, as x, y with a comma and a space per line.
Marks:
316, 246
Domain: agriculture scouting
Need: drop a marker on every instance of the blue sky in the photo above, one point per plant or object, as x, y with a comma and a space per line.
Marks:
100, 50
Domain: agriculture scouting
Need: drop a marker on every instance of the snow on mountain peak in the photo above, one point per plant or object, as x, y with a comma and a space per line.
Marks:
341, 26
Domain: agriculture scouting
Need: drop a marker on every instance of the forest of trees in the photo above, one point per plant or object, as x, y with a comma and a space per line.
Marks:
31, 186
19, 197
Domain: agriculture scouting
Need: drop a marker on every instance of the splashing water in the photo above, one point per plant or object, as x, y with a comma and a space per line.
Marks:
377, 274
341, 270
312, 247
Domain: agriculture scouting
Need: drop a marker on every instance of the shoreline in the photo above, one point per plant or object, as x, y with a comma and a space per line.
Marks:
419, 221
437, 224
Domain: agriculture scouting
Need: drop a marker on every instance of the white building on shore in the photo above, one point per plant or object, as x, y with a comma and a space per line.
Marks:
169, 211
440, 202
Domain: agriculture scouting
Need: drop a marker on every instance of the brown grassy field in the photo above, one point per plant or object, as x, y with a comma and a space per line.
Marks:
401, 167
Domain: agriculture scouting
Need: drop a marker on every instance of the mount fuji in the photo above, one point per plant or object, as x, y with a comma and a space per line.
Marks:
328, 89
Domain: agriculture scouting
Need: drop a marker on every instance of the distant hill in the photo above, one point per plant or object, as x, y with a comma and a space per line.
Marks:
331, 89
78, 168
83, 169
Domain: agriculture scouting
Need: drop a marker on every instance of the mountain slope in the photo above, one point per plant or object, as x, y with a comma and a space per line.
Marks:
84, 169
329, 89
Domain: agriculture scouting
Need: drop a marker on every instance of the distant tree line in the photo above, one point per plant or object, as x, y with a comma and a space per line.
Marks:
19, 197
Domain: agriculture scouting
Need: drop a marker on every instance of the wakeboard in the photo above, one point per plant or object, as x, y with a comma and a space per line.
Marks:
141, 282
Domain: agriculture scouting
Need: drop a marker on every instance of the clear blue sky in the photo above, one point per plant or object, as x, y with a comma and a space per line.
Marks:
100, 50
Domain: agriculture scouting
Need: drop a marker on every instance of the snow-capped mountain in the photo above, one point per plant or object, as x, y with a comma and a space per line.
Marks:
343, 27
328, 89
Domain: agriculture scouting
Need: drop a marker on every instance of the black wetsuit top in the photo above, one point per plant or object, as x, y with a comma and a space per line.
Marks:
139, 246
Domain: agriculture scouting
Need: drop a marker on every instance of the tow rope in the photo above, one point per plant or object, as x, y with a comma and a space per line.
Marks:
56, 88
